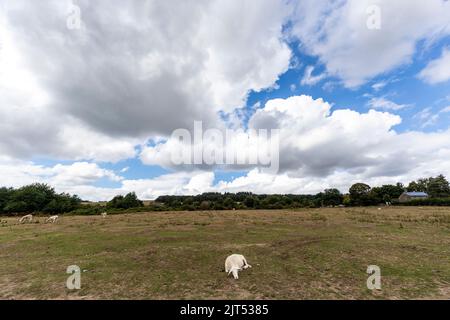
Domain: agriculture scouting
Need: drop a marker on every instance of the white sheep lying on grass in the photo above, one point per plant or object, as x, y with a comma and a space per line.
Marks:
27, 218
104, 214
52, 219
235, 263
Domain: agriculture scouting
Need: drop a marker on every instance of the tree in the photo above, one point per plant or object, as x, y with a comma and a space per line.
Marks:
439, 187
16, 207
249, 202
34, 197
346, 201
37, 197
205, 205
387, 192
360, 194
130, 200
228, 203
436, 187
5, 195
332, 197
413, 187
420, 186
63, 203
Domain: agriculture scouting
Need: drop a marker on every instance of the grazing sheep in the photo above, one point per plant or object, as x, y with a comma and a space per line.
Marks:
27, 218
52, 219
235, 263
104, 214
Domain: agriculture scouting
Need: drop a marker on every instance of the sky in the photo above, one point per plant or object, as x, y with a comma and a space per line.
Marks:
91, 93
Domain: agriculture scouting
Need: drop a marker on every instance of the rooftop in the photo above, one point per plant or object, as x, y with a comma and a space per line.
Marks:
417, 194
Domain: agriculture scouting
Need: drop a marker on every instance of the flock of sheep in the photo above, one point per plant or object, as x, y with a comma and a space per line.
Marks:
233, 263
29, 218
52, 219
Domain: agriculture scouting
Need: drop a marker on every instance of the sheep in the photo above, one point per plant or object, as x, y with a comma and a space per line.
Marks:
235, 263
52, 219
27, 218
104, 214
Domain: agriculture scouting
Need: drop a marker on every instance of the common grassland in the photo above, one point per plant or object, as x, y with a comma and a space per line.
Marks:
295, 254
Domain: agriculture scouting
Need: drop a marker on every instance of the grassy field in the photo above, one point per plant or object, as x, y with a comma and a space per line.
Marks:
301, 254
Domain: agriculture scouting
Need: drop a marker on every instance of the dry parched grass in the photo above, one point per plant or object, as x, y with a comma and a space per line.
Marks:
301, 254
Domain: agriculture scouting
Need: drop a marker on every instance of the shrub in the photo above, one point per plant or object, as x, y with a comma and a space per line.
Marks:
36, 197
62, 203
125, 202
428, 202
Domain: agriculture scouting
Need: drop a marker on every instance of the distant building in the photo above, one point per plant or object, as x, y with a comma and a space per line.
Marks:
408, 196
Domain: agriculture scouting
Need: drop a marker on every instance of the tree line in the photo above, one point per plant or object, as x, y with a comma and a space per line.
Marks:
36, 197
43, 198
360, 194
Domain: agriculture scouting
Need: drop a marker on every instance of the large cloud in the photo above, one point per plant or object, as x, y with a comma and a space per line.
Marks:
337, 32
82, 178
139, 69
134, 69
318, 142
64, 177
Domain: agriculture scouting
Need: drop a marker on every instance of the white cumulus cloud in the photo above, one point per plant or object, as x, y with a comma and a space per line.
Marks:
437, 70
337, 32
385, 104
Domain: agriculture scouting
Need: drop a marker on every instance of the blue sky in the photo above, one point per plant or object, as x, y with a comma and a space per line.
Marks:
402, 87
89, 104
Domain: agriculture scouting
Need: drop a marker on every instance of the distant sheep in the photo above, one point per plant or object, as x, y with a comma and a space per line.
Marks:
104, 214
27, 218
52, 219
235, 263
